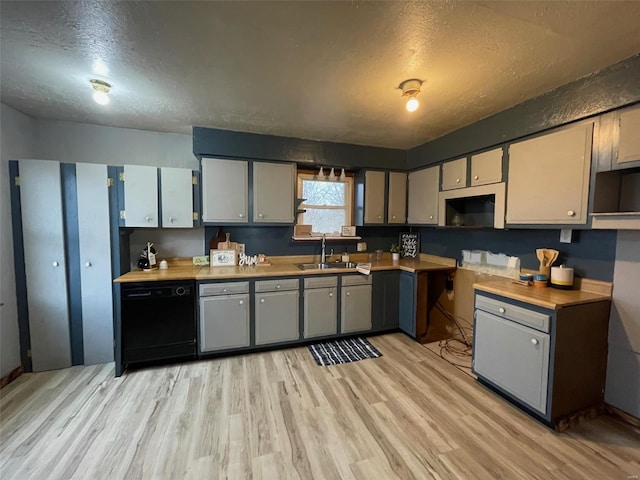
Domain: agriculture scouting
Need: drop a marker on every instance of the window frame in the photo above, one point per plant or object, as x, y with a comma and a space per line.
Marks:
349, 196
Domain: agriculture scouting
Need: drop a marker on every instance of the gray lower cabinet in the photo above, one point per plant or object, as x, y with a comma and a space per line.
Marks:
552, 362
277, 311
320, 306
224, 316
355, 309
385, 307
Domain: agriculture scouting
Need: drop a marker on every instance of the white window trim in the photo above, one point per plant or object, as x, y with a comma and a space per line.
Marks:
348, 193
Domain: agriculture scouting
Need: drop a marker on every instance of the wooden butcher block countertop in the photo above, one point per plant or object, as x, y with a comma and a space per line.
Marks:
181, 269
554, 299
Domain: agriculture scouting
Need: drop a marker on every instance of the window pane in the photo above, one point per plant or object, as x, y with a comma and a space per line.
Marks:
318, 192
325, 221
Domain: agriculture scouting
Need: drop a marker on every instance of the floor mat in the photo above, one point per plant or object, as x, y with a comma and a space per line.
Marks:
343, 351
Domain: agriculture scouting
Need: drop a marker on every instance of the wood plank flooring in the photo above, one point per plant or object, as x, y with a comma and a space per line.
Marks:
276, 415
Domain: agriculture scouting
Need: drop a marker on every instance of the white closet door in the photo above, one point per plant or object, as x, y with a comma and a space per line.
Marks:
176, 194
95, 262
44, 253
141, 196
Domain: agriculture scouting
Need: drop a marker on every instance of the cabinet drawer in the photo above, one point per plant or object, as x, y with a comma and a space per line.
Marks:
320, 282
356, 280
530, 318
223, 288
277, 285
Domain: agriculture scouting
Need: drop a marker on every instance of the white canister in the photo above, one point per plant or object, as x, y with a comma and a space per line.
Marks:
562, 277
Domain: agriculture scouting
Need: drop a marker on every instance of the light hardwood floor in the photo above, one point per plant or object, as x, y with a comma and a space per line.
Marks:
276, 415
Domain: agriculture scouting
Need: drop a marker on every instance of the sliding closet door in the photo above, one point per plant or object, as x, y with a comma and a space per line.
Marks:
45, 264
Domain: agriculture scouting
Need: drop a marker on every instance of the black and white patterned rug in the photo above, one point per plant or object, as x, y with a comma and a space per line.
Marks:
343, 351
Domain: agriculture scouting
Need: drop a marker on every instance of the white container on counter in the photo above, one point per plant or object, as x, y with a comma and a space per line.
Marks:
562, 277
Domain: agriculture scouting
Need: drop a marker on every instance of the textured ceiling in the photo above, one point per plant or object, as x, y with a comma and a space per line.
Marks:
315, 70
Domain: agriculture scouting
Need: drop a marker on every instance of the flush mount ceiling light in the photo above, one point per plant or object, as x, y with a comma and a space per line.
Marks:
411, 89
100, 91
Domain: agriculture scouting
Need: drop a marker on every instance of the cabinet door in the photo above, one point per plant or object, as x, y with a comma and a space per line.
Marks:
273, 192
224, 322
320, 312
176, 197
423, 196
513, 357
355, 312
140, 196
454, 174
549, 178
225, 190
397, 211
44, 258
385, 300
95, 263
486, 167
277, 317
407, 308
629, 137
374, 197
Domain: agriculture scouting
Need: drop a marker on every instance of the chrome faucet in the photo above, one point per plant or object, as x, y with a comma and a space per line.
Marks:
323, 256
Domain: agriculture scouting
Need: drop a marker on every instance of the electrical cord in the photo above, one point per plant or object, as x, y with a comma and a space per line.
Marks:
458, 348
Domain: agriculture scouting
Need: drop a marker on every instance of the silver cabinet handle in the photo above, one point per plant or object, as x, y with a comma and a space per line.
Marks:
88, 264
393, 216
571, 213
241, 215
262, 300
348, 294
430, 217
476, 177
260, 215
277, 287
172, 220
457, 180
534, 341
224, 290
55, 264
241, 302
379, 216
148, 219
331, 294
501, 310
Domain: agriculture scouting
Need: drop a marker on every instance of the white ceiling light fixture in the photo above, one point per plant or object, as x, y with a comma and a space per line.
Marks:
100, 91
411, 89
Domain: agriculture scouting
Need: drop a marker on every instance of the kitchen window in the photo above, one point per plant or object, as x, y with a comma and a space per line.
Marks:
329, 202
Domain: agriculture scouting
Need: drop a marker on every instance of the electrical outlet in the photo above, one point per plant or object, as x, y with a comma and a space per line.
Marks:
565, 235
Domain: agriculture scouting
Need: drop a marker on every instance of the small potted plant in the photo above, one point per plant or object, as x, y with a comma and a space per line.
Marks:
395, 251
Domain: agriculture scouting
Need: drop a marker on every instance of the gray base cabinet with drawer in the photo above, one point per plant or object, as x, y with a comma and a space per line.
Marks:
551, 362
277, 307
355, 309
320, 306
224, 316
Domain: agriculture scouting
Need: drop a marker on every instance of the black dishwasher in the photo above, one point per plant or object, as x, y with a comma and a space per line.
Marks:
158, 321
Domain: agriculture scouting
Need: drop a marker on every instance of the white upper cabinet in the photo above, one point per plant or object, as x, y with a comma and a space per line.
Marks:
629, 136
423, 196
397, 210
176, 197
549, 177
140, 196
374, 183
273, 192
454, 174
225, 187
486, 167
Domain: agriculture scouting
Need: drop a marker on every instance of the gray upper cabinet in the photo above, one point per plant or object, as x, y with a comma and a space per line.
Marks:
140, 196
629, 136
374, 191
423, 196
273, 192
45, 264
549, 177
486, 167
397, 209
176, 197
454, 174
225, 187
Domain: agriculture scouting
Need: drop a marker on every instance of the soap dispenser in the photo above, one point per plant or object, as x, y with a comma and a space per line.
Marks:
345, 257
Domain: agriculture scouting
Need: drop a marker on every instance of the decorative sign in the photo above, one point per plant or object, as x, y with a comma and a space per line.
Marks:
348, 231
220, 258
410, 244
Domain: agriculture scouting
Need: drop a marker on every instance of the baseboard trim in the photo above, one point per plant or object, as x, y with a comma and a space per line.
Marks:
624, 416
11, 376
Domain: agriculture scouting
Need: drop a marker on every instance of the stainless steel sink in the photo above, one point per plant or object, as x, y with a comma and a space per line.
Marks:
326, 266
